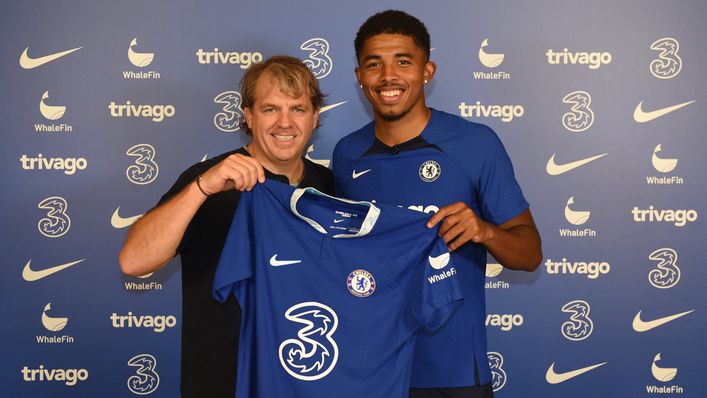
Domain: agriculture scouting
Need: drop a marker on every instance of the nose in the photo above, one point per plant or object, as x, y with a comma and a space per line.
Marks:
389, 73
285, 120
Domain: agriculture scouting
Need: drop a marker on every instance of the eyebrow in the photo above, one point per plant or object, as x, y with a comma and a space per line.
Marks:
377, 57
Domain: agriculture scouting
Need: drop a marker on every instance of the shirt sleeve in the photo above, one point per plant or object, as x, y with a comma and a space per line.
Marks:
236, 262
436, 293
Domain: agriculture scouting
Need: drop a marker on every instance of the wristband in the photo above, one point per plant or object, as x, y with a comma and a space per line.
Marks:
198, 185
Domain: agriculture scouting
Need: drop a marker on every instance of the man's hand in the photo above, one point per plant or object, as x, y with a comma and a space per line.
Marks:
235, 172
460, 225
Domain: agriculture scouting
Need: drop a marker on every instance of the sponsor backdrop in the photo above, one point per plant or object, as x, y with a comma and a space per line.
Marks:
600, 105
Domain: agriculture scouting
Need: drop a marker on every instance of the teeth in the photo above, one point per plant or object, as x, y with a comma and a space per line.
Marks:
390, 93
284, 137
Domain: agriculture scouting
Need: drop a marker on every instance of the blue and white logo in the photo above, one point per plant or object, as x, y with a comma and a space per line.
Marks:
580, 117
144, 170
498, 375
318, 61
313, 354
429, 171
231, 115
57, 222
146, 380
580, 326
667, 273
361, 283
668, 64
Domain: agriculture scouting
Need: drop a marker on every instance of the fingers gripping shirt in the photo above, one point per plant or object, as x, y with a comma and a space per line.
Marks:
333, 293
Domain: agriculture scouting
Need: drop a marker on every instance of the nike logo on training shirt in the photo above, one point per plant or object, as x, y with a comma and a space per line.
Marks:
641, 116
355, 175
556, 378
30, 63
278, 263
555, 169
31, 275
642, 326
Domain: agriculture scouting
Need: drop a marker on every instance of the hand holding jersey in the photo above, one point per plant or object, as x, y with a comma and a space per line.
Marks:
235, 172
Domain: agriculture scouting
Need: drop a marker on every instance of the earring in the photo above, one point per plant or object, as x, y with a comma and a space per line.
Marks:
426, 81
360, 85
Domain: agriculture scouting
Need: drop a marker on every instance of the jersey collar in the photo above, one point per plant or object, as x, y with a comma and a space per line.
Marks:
366, 226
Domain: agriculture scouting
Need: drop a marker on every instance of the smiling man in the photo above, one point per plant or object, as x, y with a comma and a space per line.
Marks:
429, 160
281, 102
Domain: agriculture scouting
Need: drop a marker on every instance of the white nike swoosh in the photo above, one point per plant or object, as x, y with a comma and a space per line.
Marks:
119, 222
338, 221
556, 378
641, 326
641, 116
30, 63
555, 169
440, 261
30, 275
278, 263
355, 175
330, 107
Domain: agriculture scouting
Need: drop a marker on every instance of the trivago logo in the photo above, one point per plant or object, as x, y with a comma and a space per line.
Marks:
504, 112
591, 269
243, 58
679, 218
69, 376
156, 113
594, 60
158, 323
505, 322
67, 165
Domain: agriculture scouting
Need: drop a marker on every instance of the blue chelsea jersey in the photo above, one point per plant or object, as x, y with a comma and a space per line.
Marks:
333, 293
452, 160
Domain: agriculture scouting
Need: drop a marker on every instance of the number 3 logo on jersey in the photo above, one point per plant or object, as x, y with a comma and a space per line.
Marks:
313, 354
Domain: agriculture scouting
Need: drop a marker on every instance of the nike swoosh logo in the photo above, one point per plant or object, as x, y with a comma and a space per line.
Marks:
642, 326
355, 175
30, 63
119, 222
641, 116
330, 107
338, 221
278, 263
440, 261
30, 275
556, 378
555, 169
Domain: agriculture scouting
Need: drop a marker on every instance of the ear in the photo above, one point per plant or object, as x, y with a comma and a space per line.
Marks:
248, 117
430, 69
315, 119
357, 70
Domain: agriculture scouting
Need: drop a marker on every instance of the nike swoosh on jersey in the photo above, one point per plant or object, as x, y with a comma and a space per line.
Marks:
440, 261
642, 116
556, 378
642, 326
279, 263
31, 275
355, 175
555, 169
330, 107
30, 63
119, 222
338, 221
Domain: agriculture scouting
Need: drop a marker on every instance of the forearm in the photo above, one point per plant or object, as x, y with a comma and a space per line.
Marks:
153, 240
517, 247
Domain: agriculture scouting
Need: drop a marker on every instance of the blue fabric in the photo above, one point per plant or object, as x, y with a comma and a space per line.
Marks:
333, 293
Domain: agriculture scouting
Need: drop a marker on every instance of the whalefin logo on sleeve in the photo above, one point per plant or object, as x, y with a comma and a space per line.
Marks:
439, 262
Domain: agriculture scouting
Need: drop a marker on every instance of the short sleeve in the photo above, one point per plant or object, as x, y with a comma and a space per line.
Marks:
236, 262
436, 293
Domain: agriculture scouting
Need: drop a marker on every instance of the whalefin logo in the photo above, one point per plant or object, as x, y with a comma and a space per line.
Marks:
556, 378
555, 169
669, 63
50, 112
489, 60
439, 262
31, 275
575, 217
662, 165
30, 63
53, 324
318, 60
493, 270
119, 222
640, 325
140, 60
641, 116
662, 374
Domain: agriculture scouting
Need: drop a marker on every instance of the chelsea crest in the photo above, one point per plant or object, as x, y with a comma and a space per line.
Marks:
361, 283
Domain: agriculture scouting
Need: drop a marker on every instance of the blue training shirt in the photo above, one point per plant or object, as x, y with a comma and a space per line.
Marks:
333, 293
452, 160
